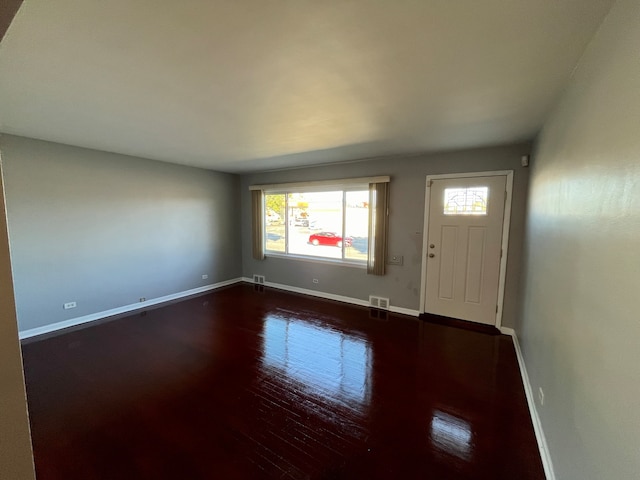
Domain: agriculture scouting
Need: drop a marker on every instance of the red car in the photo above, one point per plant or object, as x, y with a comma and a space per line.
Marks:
329, 238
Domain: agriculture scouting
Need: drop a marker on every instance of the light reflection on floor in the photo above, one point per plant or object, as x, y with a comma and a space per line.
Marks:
451, 435
324, 361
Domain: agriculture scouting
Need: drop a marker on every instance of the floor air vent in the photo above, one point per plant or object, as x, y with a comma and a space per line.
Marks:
379, 302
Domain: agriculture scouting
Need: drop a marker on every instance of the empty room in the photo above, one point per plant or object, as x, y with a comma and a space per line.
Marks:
319, 240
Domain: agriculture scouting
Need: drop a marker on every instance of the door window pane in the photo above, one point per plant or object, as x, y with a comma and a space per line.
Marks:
466, 201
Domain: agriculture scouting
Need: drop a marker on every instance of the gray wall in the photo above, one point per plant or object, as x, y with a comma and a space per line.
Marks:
408, 178
16, 460
104, 229
580, 326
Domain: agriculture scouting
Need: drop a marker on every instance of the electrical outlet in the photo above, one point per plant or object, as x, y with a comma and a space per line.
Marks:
204, 277
315, 280
541, 396
143, 299
69, 305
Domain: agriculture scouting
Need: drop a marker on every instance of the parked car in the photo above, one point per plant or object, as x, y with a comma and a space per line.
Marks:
272, 217
301, 222
329, 238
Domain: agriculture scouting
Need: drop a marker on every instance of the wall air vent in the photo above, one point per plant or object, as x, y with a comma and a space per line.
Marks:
379, 302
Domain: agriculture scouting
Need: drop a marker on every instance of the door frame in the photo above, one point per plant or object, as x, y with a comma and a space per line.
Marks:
506, 223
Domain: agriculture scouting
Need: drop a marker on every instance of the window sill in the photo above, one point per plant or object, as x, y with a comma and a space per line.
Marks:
329, 261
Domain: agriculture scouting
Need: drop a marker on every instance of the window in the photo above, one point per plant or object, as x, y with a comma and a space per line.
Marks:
340, 221
331, 223
465, 201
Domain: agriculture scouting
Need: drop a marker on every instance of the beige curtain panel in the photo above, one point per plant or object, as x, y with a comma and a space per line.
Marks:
378, 227
257, 199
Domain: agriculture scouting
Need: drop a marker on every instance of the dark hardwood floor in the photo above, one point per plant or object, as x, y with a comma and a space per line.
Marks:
241, 384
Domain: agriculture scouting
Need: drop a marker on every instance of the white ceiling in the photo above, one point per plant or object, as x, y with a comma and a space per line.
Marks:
245, 85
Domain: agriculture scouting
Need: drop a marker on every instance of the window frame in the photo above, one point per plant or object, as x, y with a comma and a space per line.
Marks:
377, 242
311, 187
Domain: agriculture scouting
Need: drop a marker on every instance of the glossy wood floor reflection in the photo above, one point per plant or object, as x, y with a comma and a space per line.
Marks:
243, 384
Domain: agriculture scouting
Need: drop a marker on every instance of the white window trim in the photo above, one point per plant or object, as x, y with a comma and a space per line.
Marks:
341, 184
308, 258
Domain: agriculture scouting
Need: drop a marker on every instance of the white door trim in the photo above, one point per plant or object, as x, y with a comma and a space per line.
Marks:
505, 233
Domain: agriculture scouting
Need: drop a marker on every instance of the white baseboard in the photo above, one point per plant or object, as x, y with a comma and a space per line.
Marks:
404, 311
333, 296
72, 322
508, 331
535, 418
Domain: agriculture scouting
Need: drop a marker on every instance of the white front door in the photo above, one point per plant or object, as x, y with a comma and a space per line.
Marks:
464, 246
